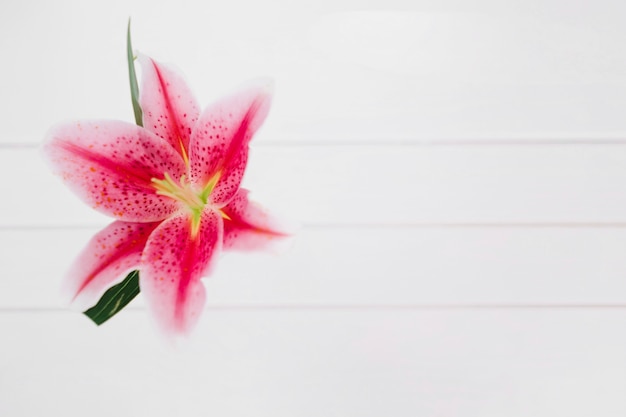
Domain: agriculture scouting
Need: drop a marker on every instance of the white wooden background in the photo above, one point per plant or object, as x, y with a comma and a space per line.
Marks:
459, 169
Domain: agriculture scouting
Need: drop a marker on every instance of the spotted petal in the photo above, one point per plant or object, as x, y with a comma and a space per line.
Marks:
106, 260
170, 109
219, 142
110, 165
175, 258
248, 226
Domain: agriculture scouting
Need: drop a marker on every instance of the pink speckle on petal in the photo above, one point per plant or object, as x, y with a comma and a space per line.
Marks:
219, 143
115, 180
174, 187
107, 259
173, 263
170, 108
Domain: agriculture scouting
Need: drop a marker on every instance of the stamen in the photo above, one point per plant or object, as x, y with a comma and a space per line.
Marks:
224, 215
183, 152
178, 191
208, 189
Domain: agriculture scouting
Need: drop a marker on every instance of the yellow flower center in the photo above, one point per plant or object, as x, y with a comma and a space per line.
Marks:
185, 192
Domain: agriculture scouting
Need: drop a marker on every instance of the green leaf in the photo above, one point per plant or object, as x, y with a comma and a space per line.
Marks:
118, 296
134, 87
115, 299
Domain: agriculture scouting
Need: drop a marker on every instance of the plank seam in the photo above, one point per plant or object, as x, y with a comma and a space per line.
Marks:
357, 226
356, 308
400, 143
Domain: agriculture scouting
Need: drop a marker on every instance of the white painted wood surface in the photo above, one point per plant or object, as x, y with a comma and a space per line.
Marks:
411, 70
460, 171
310, 363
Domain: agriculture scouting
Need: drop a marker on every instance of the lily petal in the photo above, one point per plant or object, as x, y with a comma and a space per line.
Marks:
219, 142
175, 258
170, 109
249, 226
110, 165
106, 260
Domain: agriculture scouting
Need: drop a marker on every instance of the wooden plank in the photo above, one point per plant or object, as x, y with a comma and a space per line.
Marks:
396, 70
312, 363
381, 185
368, 267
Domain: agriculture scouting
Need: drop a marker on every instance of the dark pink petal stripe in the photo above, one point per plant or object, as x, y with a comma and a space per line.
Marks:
110, 165
249, 226
109, 256
219, 143
173, 262
169, 107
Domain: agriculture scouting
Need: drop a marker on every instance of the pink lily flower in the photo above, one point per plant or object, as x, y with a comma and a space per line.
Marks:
174, 188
